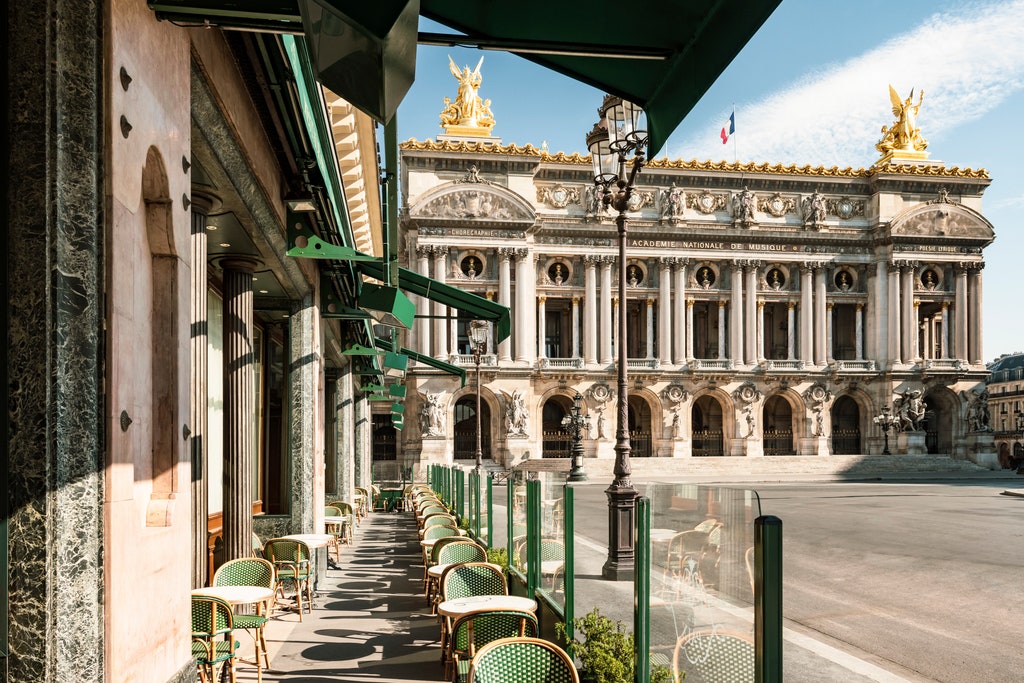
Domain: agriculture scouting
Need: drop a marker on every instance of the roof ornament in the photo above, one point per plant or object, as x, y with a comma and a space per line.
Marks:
903, 140
468, 115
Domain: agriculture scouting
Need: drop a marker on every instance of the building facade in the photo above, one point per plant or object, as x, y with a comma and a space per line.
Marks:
771, 310
1006, 408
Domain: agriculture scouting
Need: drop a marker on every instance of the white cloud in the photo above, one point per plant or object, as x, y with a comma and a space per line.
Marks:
967, 62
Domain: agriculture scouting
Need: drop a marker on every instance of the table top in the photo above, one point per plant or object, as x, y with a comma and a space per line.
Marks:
476, 603
312, 540
237, 595
662, 534
335, 521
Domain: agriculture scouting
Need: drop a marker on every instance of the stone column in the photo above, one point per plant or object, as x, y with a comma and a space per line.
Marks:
239, 407
974, 331
541, 326
750, 324
615, 328
346, 436
736, 314
305, 358
945, 331
790, 330
683, 315
575, 327
422, 325
960, 312
440, 310
721, 330
590, 310
859, 334
909, 321
650, 328
689, 330
925, 352
198, 358
760, 331
664, 311
829, 353
606, 311
820, 318
505, 299
526, 309
806, 314
895, 345
880, 333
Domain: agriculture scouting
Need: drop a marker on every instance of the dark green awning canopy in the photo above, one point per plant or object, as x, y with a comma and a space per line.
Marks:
473, 304
663, 55
420, 358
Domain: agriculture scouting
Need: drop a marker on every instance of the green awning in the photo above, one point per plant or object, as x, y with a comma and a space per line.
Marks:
473, 304
663, 55
420, 358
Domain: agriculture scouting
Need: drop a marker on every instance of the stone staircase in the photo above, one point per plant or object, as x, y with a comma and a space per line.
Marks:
769, 467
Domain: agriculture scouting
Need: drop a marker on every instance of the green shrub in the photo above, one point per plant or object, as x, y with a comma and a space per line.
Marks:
605, 650
498, 556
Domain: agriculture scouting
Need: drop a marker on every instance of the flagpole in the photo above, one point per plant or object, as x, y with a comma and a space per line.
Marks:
735, 154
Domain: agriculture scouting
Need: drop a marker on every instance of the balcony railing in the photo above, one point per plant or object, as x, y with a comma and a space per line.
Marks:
560, 363
466, 360
789, 364
951, 364
712, 364
642, 363
855, 365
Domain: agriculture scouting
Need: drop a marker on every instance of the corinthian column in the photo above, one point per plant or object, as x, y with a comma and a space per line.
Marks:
440, 310
606, 311
736, 315
974, 292
665, 310
750, 324
505, 299
422, 325
683, 315
820, 353
590, 310
806, 314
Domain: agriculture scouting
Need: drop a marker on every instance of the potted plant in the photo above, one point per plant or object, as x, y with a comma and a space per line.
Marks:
605, 650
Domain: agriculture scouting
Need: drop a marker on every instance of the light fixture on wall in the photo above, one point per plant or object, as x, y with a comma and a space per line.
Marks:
395, 364
387, 305
479, 332
621, 132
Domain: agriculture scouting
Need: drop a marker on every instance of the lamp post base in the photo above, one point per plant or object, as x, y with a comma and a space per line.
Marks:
577, 474
620, 565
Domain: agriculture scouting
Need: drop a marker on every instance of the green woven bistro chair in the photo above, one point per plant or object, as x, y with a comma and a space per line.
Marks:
522, 660
250, 571
714, 656
438, 519
455, 551
213, 640
467, 580
472, 631
430, 557
336, 531
350, 518
291, 562
552, 561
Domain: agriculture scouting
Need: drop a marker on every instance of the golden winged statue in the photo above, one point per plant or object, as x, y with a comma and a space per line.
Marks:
904, 135
468, 114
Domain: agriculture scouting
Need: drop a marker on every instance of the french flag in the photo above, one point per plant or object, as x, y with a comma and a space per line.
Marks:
729, 128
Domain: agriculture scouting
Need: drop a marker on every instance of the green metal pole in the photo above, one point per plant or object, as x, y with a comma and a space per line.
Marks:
642, 588
533, 534
490, 513
569, 530
768, 599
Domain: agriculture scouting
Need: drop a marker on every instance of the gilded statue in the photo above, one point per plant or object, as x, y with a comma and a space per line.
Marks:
903, 135
468, 110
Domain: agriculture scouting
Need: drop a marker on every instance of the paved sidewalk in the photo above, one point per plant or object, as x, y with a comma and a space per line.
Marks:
369, 622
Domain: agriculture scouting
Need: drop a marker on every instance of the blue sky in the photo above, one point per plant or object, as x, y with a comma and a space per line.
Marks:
812, 87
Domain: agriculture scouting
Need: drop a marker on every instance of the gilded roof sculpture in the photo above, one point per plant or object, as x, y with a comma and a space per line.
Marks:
468, 115
903, 140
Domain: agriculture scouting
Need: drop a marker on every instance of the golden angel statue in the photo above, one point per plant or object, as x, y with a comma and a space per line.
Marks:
468, 110
903, 135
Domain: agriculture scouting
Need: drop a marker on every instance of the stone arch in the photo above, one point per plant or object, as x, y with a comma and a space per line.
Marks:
464, 423
943, 422
783, 422
711, 423
644, 412
477, 202
943, 219
555, 441
158, 459
851, 416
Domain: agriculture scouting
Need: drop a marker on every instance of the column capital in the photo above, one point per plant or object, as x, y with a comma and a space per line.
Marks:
829, 305
423, 251
505, 253
439, 250
542, 299
575, 301
520, 254
665, 262
650, 303
591, 260
860, 307
760, 304
791, 305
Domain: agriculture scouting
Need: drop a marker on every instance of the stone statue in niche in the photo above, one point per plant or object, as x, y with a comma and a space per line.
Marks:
517, 417
433, 415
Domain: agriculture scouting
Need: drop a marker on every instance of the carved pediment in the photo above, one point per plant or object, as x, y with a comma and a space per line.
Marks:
473, 202
943, 220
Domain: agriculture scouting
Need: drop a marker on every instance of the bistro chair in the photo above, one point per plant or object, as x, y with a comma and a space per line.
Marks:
455, 552
430, 557
291, 562
336, 531
438, 520
257, 546
552, 560
714, 656
350, 518
467, 580
213, 640
250, 571
522, 660
472, 631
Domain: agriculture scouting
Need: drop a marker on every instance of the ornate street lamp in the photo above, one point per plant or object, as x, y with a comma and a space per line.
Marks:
886, 420
613, 139
479, 331
576, 423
